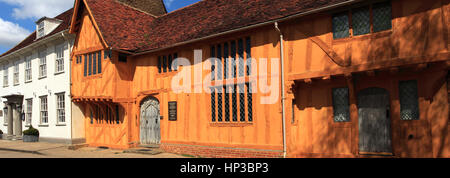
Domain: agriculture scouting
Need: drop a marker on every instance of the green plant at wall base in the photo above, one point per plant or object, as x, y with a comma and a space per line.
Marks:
31, 131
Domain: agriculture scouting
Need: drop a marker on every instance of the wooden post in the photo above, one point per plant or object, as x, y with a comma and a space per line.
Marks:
353, 113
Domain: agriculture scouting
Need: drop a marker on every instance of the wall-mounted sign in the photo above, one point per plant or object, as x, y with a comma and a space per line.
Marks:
172, 111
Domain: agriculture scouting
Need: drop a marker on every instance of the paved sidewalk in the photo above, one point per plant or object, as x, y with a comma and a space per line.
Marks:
19, 149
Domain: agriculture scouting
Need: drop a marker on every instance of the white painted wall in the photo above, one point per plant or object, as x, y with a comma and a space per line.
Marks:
52, 84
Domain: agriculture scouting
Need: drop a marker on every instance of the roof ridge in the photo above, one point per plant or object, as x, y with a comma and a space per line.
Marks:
33, 33
135, 8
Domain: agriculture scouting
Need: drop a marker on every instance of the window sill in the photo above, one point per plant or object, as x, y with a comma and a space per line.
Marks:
29, 81
94, 76
28, 125
231, 124
167, 74
57, 73
43, 77
43, 125
60, 125
5, 124
6, 86
16, 84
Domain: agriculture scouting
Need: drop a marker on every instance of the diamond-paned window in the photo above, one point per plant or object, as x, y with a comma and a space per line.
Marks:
242, 102
341, 105
227, 103
361, 21
219, 105
234, 105
249, 102
382, 15
409, 100
340, 26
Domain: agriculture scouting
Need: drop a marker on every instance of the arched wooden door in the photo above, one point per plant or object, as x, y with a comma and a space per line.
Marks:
374, 121
150, 132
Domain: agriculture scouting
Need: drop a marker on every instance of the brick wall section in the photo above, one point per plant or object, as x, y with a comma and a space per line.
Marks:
219, 152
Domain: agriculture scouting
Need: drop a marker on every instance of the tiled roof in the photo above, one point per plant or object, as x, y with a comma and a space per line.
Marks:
65, 17
154, 7
122, 27
128, 29
210, 17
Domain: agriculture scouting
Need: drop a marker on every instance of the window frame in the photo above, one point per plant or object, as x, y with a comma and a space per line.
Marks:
41, 29
416, 101
43, 110
16, 73
59, 60
29, 112
348, 119
60, 108
28, 69
5, 75
42, 56
349, 12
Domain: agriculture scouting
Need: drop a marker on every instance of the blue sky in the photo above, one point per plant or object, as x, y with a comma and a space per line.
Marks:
17, 17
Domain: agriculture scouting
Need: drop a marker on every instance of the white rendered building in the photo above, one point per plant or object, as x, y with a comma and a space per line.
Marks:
35, 84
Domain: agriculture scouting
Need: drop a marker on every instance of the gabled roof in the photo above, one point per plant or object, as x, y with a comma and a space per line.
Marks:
126, 28
64, 17
121, 26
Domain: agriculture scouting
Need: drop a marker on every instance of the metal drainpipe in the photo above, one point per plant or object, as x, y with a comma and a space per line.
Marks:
283, 97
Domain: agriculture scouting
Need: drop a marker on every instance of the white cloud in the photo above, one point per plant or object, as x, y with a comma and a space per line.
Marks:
11, 33
169, 3
36, 9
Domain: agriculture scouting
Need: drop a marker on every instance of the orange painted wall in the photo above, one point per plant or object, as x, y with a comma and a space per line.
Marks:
111, 86
419, 34
194, 125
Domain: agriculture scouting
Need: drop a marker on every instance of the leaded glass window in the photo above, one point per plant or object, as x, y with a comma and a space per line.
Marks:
219, 66
233, 59
361, 21
248, 51
170, 63
213, 63
213, 104
382, 15
234, 105
94, 66
249, 102
85, 65
341, 26
409, 100
225, 61
159, 64
99, 62
341, 105
219, 104
242, 102
164, 64
241, 57
227, 103
90, 64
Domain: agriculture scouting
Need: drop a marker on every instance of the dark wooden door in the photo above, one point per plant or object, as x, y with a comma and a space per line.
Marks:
150, 132
374, 121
